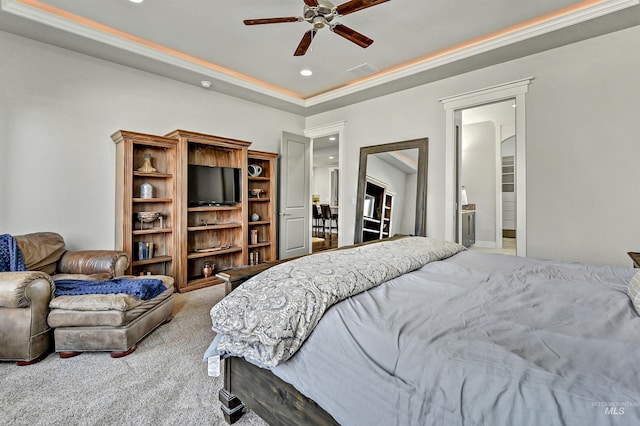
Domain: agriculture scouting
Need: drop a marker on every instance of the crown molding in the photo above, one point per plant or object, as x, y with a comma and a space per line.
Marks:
29, 9
25, 10
455, 54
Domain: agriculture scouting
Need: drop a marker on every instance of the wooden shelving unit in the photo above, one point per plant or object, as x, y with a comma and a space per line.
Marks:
188, 236
264, 206
131, 149
223, 228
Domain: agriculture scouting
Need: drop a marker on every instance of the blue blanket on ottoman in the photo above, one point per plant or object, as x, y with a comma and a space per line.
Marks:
143, 288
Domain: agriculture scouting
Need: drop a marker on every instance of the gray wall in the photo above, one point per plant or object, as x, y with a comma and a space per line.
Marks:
478, 176
58, 108
57, 112
582, 149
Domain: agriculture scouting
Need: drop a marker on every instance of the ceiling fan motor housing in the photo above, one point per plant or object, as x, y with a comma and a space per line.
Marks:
320, 15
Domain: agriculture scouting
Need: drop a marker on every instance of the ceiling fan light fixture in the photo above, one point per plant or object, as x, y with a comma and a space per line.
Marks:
319, 22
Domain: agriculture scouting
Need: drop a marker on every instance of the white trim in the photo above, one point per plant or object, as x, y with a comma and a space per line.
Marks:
37, 15
515, 89
326, 130
602, 8
589, 12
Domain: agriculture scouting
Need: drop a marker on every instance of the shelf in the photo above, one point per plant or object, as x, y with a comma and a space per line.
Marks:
370, 219
375, 231
201, 281
211, 227
260, 222
152, 200
157, 259
259, 178
214, 208
260, 244
197, 255
259, 200
153, 175
152, 231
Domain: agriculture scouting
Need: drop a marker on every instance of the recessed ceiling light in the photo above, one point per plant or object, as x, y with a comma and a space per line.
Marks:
136, 1
332, 138
331, 158
205, 83
513, 106
306, 73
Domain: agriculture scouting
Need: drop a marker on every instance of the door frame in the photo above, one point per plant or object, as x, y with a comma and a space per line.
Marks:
511, 90
338, 128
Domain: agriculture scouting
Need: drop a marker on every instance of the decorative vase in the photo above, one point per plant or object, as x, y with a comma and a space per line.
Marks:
207, 269
146, 190
254, 170
146, 166
255, 217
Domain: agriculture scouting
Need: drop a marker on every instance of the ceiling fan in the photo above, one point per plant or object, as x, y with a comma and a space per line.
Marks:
321, 13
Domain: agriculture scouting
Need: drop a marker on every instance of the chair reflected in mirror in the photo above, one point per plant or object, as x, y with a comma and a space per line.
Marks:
329, 220
318, 221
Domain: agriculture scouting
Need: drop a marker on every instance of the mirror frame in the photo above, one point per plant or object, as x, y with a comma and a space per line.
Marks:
421, 185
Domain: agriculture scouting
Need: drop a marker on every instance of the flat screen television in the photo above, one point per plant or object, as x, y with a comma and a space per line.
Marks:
210, 185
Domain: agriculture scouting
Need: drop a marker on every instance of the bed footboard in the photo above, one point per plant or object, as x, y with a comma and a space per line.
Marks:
271, 398
248, 386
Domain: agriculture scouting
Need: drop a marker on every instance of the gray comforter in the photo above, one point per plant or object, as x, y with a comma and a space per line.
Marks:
479, 339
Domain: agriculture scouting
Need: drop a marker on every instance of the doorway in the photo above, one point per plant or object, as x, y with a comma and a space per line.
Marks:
453, 105
325, 198
486, 177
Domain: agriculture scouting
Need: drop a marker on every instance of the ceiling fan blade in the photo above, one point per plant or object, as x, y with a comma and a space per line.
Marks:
307, 38
351, 35
270, 20
312, 3
356, 5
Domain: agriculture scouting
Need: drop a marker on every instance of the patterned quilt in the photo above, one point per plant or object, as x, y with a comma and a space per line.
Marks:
268, 317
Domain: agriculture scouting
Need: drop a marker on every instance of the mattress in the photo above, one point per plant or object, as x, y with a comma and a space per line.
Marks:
482, 339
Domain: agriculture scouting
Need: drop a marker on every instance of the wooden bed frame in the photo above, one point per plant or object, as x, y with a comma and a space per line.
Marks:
249, 386
258, 389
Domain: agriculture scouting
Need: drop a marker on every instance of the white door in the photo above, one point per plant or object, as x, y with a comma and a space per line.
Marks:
295, 199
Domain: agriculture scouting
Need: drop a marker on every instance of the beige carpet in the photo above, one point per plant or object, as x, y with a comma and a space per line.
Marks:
164, 382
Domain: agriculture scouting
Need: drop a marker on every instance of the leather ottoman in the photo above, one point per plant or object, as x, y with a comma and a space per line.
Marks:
107, 322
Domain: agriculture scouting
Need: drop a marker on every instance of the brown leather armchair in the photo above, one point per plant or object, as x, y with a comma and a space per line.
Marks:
25, 336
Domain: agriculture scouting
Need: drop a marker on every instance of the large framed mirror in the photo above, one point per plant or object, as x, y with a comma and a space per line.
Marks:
392, 190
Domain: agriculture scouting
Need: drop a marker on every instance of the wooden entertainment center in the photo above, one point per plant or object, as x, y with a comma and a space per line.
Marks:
185, 236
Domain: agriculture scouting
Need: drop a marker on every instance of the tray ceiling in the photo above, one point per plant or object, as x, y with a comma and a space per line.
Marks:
415, 41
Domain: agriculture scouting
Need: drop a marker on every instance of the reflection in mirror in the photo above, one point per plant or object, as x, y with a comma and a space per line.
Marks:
391, 190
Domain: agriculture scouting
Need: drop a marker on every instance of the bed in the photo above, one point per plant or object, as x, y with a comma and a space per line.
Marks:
420, 331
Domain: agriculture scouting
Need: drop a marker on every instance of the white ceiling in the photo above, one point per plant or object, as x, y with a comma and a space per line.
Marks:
415, 41
325, 151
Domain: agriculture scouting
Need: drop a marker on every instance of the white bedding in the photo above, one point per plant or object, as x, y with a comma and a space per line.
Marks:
479, 339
